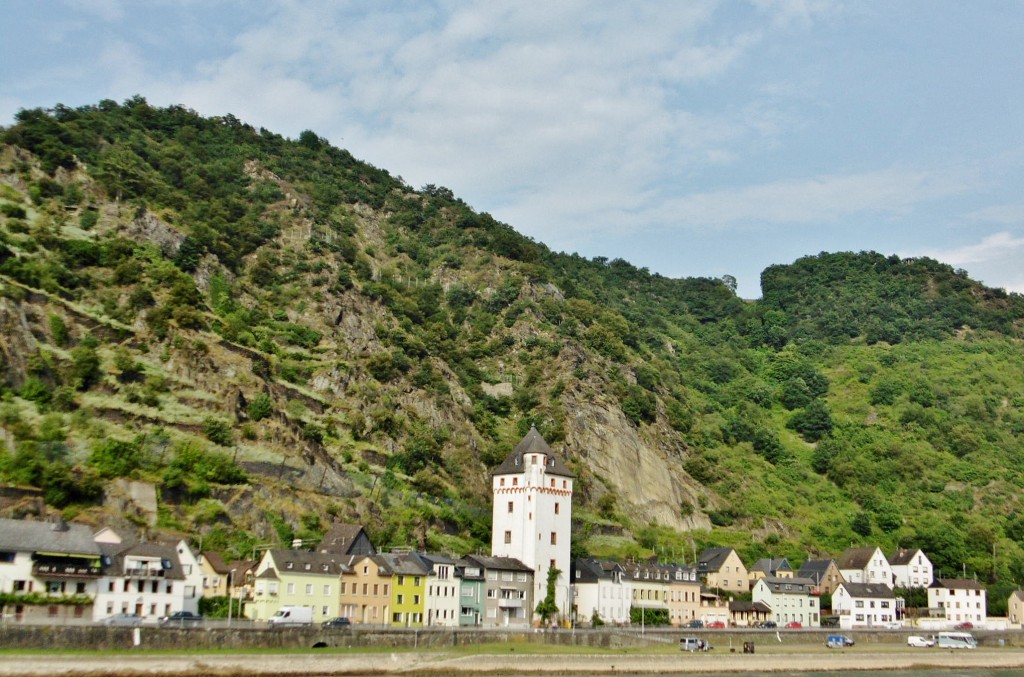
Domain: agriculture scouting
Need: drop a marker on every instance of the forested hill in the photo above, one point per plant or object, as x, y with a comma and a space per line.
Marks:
271, 335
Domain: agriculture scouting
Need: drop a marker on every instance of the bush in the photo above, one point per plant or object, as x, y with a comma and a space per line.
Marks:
218, 431
260, 407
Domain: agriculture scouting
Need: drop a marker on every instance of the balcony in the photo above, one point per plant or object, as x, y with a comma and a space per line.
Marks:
144, 572
510, 603
66, 570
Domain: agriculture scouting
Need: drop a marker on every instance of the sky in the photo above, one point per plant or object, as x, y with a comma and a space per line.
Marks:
695, 138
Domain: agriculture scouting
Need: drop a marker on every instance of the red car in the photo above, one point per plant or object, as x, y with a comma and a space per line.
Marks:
715, 625
793, 625
966, 625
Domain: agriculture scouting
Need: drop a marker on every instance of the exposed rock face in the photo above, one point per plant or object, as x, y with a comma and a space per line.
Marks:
646, 476
146, 227
16, 341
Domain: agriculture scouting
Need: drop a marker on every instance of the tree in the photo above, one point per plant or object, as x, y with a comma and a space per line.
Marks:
862, 524
813, 422
547, 608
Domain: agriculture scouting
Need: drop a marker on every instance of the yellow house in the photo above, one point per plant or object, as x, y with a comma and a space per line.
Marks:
408, 588
297, 578
366, 591
722, 569
215, 574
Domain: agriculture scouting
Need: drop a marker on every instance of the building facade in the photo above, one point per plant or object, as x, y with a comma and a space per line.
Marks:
959, 600
532, 512
865, 605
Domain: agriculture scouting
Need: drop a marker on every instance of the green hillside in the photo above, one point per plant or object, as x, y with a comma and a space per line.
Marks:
273, 335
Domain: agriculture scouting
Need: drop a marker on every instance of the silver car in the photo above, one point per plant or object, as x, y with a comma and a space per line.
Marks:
124, 619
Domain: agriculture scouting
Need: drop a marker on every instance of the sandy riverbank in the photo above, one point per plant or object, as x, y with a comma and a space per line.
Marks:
354, 664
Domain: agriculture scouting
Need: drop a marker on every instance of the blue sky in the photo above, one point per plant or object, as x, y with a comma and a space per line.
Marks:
694, 138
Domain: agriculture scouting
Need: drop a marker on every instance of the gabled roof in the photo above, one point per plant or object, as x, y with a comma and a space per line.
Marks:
713, 559
856, 558
405, 563
533, 443
592, 570
788, 586
957, 584
874, 590
60, 537
903, 556
771, 565
815, 569
167, 553
341, 538
307, 563
217, 562
1017, 594
738, 606
499, 563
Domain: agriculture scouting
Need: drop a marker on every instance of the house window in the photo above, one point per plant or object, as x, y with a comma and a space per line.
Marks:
291, 589
327, 590
343, 586
508, 537
401, 599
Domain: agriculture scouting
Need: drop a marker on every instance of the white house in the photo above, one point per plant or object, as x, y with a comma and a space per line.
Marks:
149, 579
790, 599
601, 588
864, 605
911, 568
58, 560
532, 511
865, 565
959, 600
442, 600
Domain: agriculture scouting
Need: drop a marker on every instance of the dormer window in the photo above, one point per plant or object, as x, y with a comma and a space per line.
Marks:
287, 565
308, 566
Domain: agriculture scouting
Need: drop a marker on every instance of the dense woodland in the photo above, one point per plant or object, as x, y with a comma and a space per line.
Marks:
276, 335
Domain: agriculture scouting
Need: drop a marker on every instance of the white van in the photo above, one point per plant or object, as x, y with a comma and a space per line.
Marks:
694, 644
292, 615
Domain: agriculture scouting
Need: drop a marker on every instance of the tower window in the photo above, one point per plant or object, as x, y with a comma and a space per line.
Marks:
515, 481
510, 506
508, 537
556, 508
554, 538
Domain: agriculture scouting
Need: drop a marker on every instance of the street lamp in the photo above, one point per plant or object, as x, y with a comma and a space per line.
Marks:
231, 586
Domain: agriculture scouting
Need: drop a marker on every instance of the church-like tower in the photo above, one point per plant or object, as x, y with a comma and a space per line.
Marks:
532, 514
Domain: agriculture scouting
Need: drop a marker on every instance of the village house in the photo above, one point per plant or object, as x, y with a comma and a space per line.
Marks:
507, 591
602, 591
1015, 608
297, 578
958, 600
442, 601
216, 573
347, 539
57, 560
824, 573
722, 569
151, 580
911, 568
865, 565
365, 590
743, 614
408, 588
648, 589
790, 599
865, 605
774, 567
683, 593
471, 592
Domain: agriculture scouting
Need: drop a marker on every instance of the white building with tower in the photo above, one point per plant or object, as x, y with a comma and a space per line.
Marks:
532, 515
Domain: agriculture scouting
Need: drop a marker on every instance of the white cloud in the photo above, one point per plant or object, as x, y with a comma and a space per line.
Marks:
995, 259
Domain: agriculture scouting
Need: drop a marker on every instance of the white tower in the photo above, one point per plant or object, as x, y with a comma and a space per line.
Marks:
532, 515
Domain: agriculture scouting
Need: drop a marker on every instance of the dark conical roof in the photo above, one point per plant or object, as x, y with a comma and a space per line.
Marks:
533, 443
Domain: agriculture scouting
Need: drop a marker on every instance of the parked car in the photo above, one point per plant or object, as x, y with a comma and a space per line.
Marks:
838, 641
893, 625
181, 619
123, 619
338, 622
695, 623
715, 625
692, 644
920, 642
767, 625
966, 625
793, 625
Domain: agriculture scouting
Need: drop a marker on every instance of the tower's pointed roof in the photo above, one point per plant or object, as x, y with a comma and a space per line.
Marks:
533, 443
